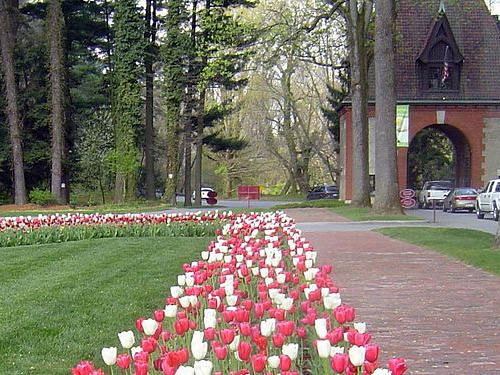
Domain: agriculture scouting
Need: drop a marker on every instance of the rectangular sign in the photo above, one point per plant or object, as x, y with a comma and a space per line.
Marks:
402, 124
248, 192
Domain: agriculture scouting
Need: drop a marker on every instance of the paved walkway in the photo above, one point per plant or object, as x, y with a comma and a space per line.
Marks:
441, 315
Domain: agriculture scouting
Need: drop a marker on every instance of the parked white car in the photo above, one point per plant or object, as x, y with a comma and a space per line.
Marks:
434, 192
488, 201
204, 193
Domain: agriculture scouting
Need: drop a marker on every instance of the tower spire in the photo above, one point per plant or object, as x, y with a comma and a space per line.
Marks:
442, 9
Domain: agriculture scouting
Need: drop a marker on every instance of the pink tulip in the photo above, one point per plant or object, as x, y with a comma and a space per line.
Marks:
278, 340
244, 350
372, 352
285, 362
141, 368
83, 368
339, 362
159, 315
259, 362
149, 344
123, 361
227, 336
220, 350
397, 366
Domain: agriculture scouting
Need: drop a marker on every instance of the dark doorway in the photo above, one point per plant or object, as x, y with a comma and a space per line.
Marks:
439, 152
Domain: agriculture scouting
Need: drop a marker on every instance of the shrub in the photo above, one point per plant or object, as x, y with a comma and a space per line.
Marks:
42, 197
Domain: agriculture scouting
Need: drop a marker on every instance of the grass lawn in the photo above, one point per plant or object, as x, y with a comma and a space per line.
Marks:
340, 208
470, 246
63, 302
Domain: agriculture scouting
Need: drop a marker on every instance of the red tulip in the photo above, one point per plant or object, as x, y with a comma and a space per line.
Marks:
259, 362
279, 314
141, 368
244, 350
181, 326
228, 316
261, 342
301, 332
242, 315
220, 351
278, 340
397, 366
259, 310
183, 355
335, 336
209, 333
138, 325
350, 313
149, 344
285, 362
339, 362
315, 295
166, 335
370, 366
123, 361
227, 336
247, 304
83, 368
371, 353
159, 315
339, 314
245, 329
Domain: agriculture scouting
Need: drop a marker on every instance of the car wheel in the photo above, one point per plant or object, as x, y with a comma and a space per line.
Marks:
479, 213
495, 213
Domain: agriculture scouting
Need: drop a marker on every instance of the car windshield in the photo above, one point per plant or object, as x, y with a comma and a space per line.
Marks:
440, 186
466, 192
333, 189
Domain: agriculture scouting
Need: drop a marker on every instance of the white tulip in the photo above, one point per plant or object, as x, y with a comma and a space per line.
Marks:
273, 292
197, 336
205, 255
185, 301
267, 327
287, 304
219, 256
185, 370
176, 291
295, 261
181, 280
109, 355
275, 262
170, 311
281, 278
239, 258
320, 326
357, 355
199, 349
189, 281
203, 367
234, 344
193, 300
273, 361
360, 327
149, 326
249, 263
126, 339
323, 347
209, 318
290, 350
264, 272
229, 289
232, 300
228, 259
381, 371
332, 301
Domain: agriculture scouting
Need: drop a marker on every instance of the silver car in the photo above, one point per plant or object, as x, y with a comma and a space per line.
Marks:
463, 198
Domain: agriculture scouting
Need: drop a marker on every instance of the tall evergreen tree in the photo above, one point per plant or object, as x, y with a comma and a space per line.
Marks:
55, 30
127, 102
8, 31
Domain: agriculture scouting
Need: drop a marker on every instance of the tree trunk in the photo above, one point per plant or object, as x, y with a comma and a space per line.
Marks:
359, 93
187, 161
148, 130
8, 31
199, 148
386, 168
55, 30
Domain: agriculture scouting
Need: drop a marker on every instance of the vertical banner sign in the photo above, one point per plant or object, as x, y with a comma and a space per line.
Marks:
402, 124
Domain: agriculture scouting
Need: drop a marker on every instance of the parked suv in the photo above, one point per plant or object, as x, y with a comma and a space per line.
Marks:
434, 191
488, 201
324, 192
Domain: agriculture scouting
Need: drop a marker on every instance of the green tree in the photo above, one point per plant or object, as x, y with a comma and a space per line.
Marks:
127, 102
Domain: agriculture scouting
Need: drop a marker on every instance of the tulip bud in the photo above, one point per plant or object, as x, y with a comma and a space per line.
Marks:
149, 326
323, 348
357, 355
274, 361
320, 326
203, 367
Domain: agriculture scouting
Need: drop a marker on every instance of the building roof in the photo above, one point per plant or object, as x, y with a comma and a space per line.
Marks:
478, 40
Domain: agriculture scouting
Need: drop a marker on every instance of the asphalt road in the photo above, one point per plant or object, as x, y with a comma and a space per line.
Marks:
440, 220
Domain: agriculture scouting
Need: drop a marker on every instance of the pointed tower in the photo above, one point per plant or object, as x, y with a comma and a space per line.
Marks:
447, 79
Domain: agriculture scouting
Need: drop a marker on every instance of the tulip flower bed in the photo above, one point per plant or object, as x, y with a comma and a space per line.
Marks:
254, 303
16, 231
